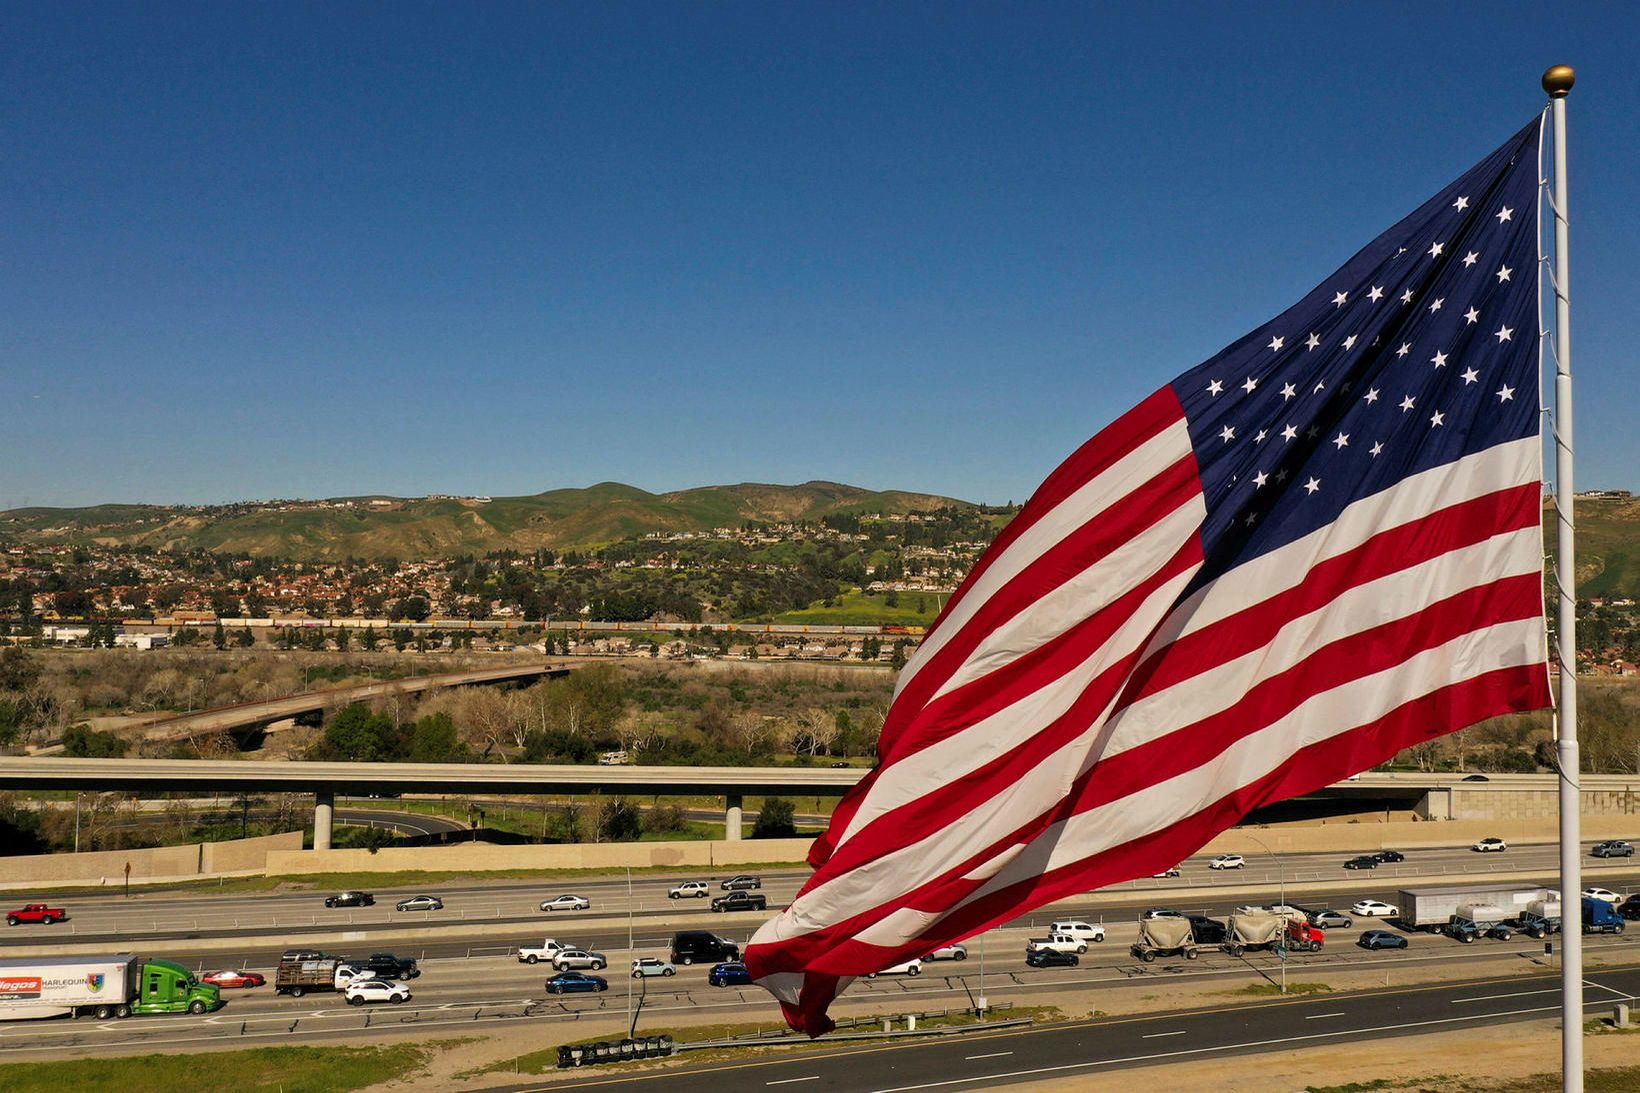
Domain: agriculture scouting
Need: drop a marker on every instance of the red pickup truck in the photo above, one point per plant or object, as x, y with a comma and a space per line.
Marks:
36, 912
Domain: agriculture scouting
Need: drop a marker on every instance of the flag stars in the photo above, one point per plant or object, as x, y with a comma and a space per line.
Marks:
1341, 441
1281, 476
1250, 385
1215, 388
1259, 479
1376, 294
1503, 334
1406, 347
1471, 316
1290, 433
1313, 431
1408, 403
1437, 419
1276, 344
1227, 434
1438, 360
1259, 438
1471, 258
1470, 376
1505, 213
1437, 305
1370, 397
1288, 392
1251, 517
1320, 386
1349, 342
1377, 446
1503, 274
1505, 394
1339, 298
1312, 341
1436, 249
1461, 204
1312, 486
1406, 297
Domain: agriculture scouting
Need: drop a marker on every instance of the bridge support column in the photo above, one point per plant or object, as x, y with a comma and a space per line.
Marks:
1436, 804
732, 817
324, 818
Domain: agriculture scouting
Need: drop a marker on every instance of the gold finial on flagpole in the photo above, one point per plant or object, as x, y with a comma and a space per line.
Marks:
1558, 81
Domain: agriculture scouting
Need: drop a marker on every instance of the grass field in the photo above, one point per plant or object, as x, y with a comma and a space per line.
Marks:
290, 1069
860, 609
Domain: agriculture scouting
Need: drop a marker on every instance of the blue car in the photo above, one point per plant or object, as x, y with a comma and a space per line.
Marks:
576, 983
729, 974
1381, 939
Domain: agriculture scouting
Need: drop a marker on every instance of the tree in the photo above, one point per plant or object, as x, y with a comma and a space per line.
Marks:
220, 637
619, 820
775, 820
369, 639
84, 742
414, 608
434, 740
343, 637
358, 735
186, 636
18, 671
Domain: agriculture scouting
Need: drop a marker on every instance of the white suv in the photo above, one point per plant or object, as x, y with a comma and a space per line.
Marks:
361, 991
1086, 931
689, 889
1490, 846
1227, 861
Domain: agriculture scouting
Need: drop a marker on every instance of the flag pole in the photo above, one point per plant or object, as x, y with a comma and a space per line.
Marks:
1558, 81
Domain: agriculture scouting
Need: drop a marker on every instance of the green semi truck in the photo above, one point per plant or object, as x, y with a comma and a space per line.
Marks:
100, 986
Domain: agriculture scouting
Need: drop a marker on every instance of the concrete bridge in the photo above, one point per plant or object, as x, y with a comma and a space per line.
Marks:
1430, 796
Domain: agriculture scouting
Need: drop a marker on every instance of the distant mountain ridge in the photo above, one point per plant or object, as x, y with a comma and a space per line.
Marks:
437, 526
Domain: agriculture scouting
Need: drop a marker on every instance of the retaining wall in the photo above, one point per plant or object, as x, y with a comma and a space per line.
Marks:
151, 864
485, 857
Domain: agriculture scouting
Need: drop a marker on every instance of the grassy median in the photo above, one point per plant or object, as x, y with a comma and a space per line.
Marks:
289, 1069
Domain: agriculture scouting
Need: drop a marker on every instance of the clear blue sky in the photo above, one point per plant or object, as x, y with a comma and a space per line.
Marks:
257, 250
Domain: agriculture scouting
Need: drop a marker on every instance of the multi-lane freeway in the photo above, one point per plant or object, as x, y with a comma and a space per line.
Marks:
471, 977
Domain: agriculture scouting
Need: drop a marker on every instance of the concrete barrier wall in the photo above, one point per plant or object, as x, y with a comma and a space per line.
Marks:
1399, 835
155, 863
484, 857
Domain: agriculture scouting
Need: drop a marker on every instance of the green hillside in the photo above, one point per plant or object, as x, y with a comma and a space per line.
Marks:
425, 527
1608, 546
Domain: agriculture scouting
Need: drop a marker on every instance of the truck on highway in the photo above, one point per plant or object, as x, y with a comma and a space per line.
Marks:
1432, 908
1600, 917
1059, 943
1269, 931
101, 986
42, 913
1473, 920
1540, 919
548, 949
1168, 936
297, 977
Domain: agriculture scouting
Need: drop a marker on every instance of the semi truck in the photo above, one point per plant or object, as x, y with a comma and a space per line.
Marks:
1433, 908
1473, 920
1268, 931
1170, 936
101, 986
1540, 919
1600, 917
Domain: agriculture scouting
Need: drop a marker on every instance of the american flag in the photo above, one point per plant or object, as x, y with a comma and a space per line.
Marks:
1295, 560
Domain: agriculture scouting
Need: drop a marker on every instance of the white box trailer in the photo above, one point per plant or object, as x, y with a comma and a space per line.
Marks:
1431, 908
54, 986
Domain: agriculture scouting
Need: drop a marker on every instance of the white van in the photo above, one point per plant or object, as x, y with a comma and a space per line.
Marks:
1082, 931
614, 759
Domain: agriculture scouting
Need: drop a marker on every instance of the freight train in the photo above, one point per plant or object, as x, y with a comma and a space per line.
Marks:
574, 625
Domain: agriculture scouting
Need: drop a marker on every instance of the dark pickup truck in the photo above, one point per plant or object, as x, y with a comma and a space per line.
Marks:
388, 966
741, 901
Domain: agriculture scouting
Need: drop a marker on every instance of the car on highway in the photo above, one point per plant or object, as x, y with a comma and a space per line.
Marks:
1390, 857
350, 899
646, 966
1364, 861
545, 951
1327, 918
1208, 931
741, 901
566, 903
742, 881
1162, 912
689, 889
360, 991
1490, 845
1227, 861
1373, 940
1476, 778
1630, 908
1375, 908
947, 952
231, 978
576, 983
730, 973
1063, 943
701, 947
1051, 958
388, 966
419, 903
1605, 894
908, 967
1167, 874
1075, 927
298, 955
566, 959
42, 913
1613, 848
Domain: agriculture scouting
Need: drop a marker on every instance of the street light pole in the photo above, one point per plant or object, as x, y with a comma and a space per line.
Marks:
1281, 872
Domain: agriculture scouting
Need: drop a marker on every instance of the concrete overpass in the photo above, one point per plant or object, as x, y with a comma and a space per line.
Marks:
1431, 796
252, 714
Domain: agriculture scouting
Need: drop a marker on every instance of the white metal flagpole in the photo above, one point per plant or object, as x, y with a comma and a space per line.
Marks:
1558, 81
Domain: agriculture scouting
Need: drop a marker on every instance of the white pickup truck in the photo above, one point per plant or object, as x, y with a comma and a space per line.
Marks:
549, 949
1059, 943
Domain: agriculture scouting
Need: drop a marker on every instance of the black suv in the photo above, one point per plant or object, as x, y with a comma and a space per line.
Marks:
388, 966
1050, 958
1208, 931
1630, 908
350, 899
1613, 848
702, 947
741, 901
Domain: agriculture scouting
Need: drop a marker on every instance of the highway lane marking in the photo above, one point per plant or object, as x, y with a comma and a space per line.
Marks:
1494, 997
1319, 1016
789, 1081
1158, 1035
991, 1055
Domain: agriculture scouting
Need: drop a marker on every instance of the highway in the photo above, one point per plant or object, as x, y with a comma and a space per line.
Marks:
471, 977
